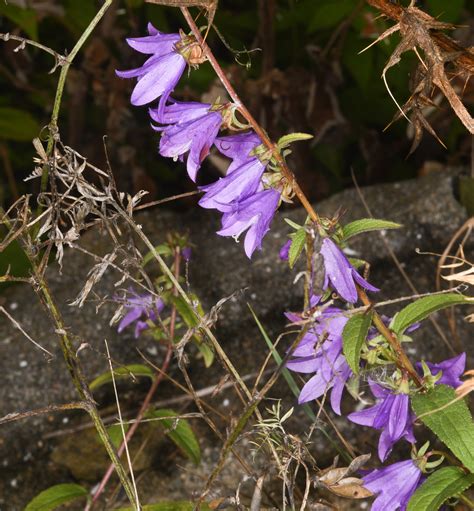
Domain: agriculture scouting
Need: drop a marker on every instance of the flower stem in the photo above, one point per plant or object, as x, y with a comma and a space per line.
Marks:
287, 173
53, 124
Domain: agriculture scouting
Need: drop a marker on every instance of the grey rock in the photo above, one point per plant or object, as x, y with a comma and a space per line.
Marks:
427, 208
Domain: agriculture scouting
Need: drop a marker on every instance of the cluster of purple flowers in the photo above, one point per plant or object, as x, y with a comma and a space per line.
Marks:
319, 353
190, 129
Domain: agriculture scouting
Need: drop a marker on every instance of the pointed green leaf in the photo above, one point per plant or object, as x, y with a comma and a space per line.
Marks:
439, 487
55, 496
121, 373
293, 224
178, 505
206, 351
163, 250
187, 313
116, 434
449, 419
179, 431
17, 125
286, 140
353, 338
423, 307
298, 240
367, 225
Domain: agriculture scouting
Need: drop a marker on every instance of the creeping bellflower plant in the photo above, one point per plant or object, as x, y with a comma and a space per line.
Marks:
141, 308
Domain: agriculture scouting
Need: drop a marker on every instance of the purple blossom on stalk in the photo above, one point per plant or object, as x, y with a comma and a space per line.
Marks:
187, 253
391, 414
236, 186
325, 360
238, 148
161, 72
393, 485
194, 131
141, 308
340, 273
451, 370
254, 213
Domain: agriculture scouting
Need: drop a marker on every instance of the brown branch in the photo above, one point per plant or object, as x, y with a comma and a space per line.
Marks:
465, 57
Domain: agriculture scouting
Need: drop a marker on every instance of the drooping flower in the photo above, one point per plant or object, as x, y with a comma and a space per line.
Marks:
324, 359
254, 213
451, 370
161, 72
187, 253
340, 273
393, 485
234, 187
238, 148
140, 309
178, 112
391, 414
195, 135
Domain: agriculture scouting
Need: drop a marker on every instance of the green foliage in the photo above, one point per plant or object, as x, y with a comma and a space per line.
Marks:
449, 12
353, 338
17, 125
329, 13
177, 505
423, 307
26, 19
286, 140
122, 373
298, 240
116, 434
179, 431
366, 225
449, 418
55, 496
439, 487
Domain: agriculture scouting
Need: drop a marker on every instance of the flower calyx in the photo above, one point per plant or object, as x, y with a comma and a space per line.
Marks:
190, 50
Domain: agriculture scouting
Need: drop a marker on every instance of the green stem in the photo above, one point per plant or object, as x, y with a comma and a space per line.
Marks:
467, 501
53, 125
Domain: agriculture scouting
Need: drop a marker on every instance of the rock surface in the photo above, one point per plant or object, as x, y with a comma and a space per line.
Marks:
427, 208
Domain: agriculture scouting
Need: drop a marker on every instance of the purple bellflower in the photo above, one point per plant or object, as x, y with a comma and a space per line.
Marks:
393, 485
391, 414
140, 309
237, 186
254, 213
340, 273
325, 360
238, 148
451, 370
161, 72
194, 132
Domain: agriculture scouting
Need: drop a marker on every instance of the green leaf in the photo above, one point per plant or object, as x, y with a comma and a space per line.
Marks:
423, 307
293, 224
116, 434
353, 337
286, 140
329, 13
439, 487
180, 432
449, 12
17, 125
207, 353
366, 225
178, 505
24, 18
186, 312
298, 240
53, 497
163, 250
450, 420
122, 373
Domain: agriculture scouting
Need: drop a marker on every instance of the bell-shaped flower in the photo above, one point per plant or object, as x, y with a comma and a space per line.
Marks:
451, 370
195, 135
393, 485
161, 72
238, 148
178, 112
234, 187
141, 308
254, 215
391, 414
340, 274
